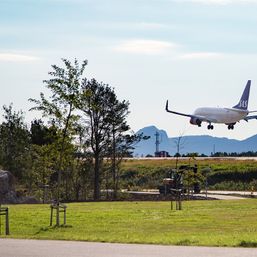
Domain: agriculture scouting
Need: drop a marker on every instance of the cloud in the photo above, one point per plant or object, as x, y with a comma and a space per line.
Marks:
201, 55
142, 46
155, 47
220, 2
10, 57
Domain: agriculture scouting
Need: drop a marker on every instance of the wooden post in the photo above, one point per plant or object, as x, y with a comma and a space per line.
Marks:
5, 212
64, 216
51, 216
58, 215
7, 232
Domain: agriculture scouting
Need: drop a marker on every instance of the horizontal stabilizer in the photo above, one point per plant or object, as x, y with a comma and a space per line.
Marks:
250, 117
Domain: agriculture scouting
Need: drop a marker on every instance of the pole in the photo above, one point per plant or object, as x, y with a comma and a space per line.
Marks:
7, 232
0, 221
58, 215
51, 216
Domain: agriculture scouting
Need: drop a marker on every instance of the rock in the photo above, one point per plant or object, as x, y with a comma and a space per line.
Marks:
7, 191
6, 182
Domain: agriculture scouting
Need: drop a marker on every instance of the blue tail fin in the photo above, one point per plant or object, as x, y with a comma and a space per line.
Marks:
243, 103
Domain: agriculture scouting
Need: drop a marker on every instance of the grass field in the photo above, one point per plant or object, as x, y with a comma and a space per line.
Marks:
208, 223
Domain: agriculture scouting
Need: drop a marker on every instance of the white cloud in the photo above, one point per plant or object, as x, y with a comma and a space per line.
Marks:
201, 55
155, 47
220, 2
142, 46
10, 57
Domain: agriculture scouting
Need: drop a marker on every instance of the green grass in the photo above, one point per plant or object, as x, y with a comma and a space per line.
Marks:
207, 223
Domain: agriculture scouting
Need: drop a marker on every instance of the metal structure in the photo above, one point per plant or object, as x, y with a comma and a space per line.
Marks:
157, 142
174, 184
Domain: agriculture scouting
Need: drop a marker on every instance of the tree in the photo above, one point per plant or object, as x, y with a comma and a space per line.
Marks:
105, 117
65, 86
41, 134
122, 144
107, 131
179, 144
14, 142
118, 140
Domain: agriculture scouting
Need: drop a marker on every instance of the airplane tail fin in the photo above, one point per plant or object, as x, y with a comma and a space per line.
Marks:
243, 103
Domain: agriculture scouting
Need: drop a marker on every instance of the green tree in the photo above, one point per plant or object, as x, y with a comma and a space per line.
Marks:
98, 104
122, 142
65, 86
106, 130
42, 134
14, 142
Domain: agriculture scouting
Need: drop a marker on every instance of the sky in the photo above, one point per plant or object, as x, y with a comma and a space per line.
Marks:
192, 52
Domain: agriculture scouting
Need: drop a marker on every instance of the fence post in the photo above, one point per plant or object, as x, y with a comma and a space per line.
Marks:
7, 232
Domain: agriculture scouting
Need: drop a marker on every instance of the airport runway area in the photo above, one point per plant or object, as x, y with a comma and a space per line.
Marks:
46, 248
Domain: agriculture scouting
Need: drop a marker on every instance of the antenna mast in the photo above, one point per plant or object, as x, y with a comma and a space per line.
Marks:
157, 142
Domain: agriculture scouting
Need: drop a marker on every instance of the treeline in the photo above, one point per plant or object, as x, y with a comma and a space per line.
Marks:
76, 148
235, 154
217, 154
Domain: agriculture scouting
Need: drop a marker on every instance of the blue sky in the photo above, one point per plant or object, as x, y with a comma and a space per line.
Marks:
192, 52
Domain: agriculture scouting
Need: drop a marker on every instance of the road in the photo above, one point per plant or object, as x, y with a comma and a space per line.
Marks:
219, 195
45, 248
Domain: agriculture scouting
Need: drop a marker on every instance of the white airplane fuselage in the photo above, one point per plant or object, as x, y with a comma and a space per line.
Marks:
221, 115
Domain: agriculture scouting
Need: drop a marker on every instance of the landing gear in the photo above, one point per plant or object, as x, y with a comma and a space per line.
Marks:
210, 127
231, 126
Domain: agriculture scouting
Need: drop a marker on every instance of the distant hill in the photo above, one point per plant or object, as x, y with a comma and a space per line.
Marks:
189, 144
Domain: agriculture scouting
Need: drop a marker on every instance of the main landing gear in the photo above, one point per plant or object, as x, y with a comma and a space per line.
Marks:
230, 126
210, 127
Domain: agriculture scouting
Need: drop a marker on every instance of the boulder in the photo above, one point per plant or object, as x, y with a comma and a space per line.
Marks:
7, 191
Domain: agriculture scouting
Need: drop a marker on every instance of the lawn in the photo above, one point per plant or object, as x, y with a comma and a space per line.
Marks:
207, 223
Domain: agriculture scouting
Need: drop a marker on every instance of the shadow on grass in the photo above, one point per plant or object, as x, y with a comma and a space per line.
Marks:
186, 242
247, 244
47, 229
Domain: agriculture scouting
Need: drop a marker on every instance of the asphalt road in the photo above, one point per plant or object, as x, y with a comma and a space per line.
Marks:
45, 248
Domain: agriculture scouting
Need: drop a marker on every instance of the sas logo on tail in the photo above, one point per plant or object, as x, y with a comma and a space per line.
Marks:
243, 104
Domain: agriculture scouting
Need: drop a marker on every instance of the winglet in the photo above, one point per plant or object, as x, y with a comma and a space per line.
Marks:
167, 106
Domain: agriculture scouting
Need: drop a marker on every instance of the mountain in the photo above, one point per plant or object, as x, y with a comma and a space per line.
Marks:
191, 144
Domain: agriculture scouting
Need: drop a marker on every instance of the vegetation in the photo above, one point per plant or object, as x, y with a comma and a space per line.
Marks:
208, 223
222, 174
86, 123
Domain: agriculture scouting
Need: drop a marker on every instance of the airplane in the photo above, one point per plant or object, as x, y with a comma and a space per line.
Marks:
228, 116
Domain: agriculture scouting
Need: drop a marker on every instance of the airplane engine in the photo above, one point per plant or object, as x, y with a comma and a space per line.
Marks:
195, 121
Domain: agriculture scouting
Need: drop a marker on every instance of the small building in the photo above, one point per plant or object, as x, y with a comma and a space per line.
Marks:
162, 154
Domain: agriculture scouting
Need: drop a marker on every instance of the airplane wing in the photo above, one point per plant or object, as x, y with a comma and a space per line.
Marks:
178, 113
196, 117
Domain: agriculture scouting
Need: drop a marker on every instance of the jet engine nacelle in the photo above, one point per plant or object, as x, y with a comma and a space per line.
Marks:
195, 121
